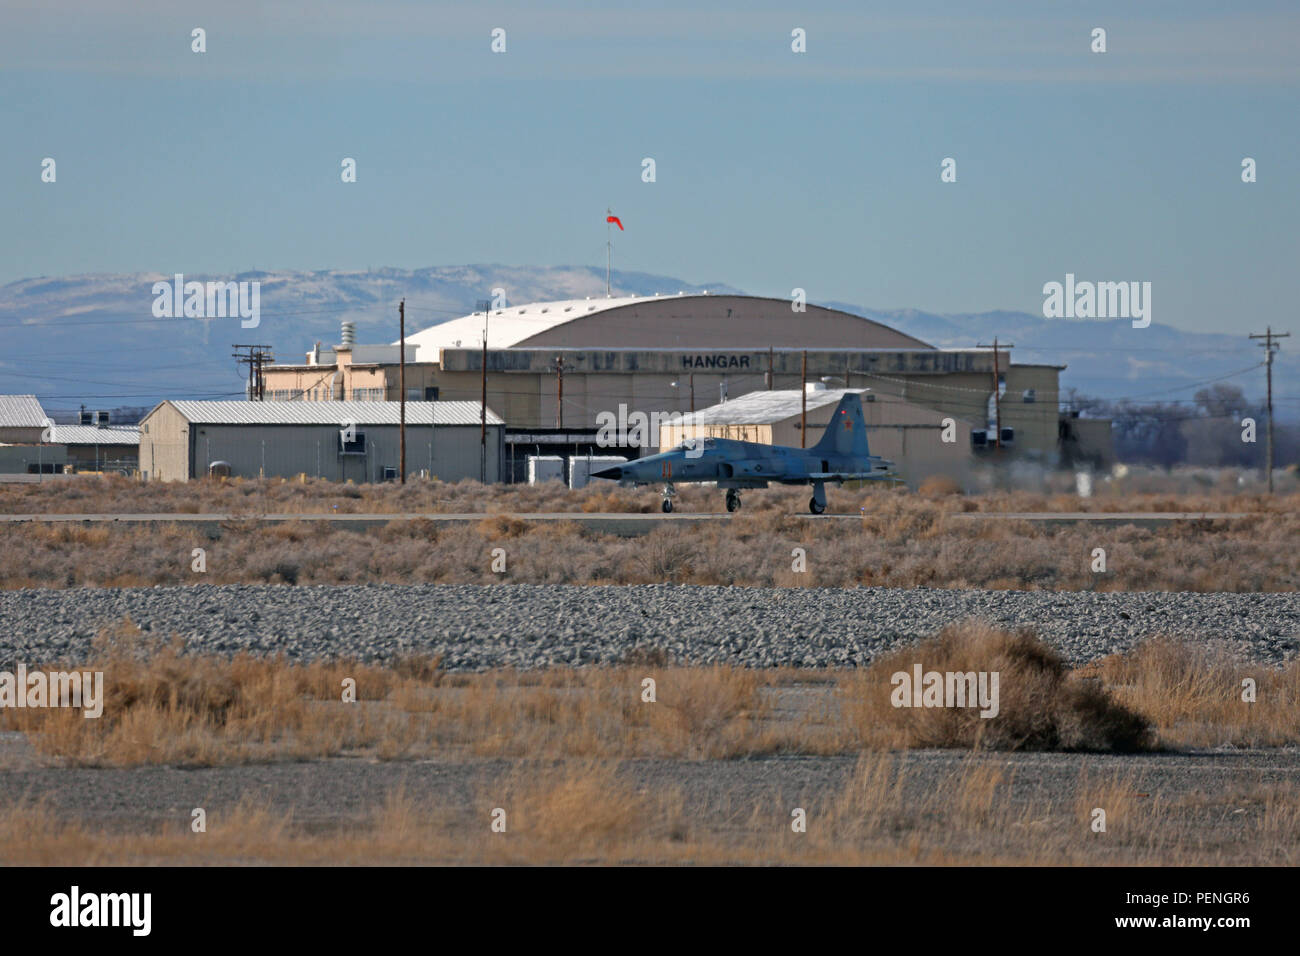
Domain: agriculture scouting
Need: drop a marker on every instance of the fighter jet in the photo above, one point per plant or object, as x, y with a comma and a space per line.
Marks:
841, 455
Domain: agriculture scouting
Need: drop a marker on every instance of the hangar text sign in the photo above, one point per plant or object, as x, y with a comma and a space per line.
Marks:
715, 361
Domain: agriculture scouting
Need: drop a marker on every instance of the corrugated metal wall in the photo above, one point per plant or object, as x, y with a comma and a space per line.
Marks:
165, 445
15, 459
451, 452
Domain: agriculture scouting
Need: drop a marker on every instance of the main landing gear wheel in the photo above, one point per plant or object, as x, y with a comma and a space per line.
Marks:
815, 507
733, 500
667, 506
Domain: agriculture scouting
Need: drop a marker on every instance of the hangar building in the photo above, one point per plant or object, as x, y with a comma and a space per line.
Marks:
342, 441
553, 367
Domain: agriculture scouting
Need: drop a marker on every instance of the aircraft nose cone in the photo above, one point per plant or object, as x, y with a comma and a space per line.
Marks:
614, 472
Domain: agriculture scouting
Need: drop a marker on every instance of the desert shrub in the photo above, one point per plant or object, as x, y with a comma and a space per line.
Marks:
1040, 705
503, 526
665, 555
937, 486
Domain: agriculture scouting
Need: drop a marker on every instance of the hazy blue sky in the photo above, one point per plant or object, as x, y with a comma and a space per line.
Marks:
774, 169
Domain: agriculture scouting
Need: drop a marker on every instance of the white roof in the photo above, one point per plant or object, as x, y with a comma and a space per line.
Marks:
91, 435
510, 326
329, 413
766, 407
514, 326
21, 411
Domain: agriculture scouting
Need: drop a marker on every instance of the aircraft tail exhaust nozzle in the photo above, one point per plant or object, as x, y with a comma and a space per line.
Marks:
846, 433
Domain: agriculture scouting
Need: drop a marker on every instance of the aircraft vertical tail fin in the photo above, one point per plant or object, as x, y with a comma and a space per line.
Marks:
846, 432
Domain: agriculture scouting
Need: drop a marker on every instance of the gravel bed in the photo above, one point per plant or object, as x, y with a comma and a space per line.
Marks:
477, 627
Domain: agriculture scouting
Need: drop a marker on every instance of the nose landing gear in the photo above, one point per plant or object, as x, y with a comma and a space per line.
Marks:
669, 494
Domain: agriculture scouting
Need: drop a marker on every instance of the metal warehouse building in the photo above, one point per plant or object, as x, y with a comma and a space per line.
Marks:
22, 420
101, 447
553, 367
341, 441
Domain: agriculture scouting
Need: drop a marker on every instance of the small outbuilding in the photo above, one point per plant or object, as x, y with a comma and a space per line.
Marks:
340, 441
100, 447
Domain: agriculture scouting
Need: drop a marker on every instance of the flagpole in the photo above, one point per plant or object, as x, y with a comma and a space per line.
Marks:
609, 242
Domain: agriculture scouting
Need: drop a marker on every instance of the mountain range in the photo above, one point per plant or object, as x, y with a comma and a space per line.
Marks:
94, 339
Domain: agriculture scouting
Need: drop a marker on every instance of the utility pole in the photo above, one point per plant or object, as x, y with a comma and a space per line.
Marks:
559, 392
1269, 347
485, 305
256, 357
997, 389
401, 388
803, 413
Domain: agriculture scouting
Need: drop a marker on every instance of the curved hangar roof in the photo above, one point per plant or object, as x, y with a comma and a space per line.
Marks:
665, 322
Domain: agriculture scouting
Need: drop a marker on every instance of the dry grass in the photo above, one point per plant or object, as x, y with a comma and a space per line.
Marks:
1143, 491
1196, 697
937, 486
164, 706
87, 494
596, 812
563, 747
1040, 705
901, 540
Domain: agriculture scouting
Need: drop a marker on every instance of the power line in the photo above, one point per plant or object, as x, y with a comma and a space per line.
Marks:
1208, 381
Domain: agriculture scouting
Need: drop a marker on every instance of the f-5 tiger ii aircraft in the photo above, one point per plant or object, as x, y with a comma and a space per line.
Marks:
841, 455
